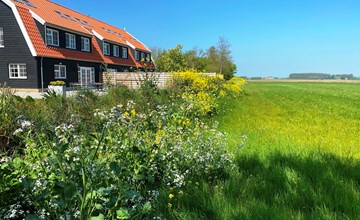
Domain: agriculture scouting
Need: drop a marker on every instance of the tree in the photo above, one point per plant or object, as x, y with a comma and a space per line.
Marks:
212, 60
216, 59
195, 59
170, 60
226, 65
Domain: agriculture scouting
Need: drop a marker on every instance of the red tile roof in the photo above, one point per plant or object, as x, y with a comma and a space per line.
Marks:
76, 22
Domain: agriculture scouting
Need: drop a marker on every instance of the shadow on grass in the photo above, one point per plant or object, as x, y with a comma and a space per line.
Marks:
320, 186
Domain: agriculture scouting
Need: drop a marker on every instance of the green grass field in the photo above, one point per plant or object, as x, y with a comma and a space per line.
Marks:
300, 158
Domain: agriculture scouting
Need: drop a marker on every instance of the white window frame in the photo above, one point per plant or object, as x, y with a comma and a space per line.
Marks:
109, 70
18, 71
50, 38
57, 72
106, 48
70, 40
116, 50
85, 44
148, 58
124, 53
142, 56
2, 41
92, 75
137, 55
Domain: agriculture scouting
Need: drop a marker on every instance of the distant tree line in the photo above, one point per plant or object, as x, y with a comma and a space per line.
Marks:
215, 59
320, 76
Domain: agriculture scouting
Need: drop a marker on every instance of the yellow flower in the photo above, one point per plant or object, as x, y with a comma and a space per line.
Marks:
171, 196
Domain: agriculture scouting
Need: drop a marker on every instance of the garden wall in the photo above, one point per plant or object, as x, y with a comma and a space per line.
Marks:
134, 79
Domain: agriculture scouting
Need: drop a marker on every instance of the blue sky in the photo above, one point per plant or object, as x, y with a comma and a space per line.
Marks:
268, 37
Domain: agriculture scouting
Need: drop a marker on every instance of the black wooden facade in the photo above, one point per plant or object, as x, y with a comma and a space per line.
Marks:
16, 51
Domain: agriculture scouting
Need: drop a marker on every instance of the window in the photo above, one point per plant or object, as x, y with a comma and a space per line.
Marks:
17, 71
70, 41
86, 75
136, 55
106, 48
60, 71
52, 37
29, 4
142, 56
85, 44
111, 70
83, 22
65, 15
116, 51
148, 58
124, 53
2, 37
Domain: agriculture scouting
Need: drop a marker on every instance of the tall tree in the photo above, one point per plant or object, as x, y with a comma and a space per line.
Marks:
212, 56
226, 66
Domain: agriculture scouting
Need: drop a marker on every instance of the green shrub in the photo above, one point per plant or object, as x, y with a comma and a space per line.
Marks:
118, 170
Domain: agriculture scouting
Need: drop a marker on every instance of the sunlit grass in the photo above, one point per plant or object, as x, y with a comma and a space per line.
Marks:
300, 158
304, 117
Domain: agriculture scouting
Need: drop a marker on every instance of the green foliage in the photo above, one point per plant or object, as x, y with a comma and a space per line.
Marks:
82, 162
171, 60
8, 120
216, 59
297, 155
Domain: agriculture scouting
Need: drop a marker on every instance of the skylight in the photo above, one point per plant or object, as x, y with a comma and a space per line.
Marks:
84, 22
28, 3
71, 18
62, 15
112, 32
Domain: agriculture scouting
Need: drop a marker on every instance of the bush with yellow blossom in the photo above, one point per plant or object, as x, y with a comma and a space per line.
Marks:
201, 92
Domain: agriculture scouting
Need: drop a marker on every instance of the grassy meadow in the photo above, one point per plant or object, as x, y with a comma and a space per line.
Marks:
297, 149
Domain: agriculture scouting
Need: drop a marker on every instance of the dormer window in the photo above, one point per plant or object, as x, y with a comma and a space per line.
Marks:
2, 44
106, 48
142, 56
52, 37
137, 56
148, 58
70, 41
124, 53
116, 51
85, 44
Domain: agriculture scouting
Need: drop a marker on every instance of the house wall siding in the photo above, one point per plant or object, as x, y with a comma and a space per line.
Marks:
72, 69
16, 50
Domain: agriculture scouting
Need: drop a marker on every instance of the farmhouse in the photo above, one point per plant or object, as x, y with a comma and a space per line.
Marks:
41, 41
